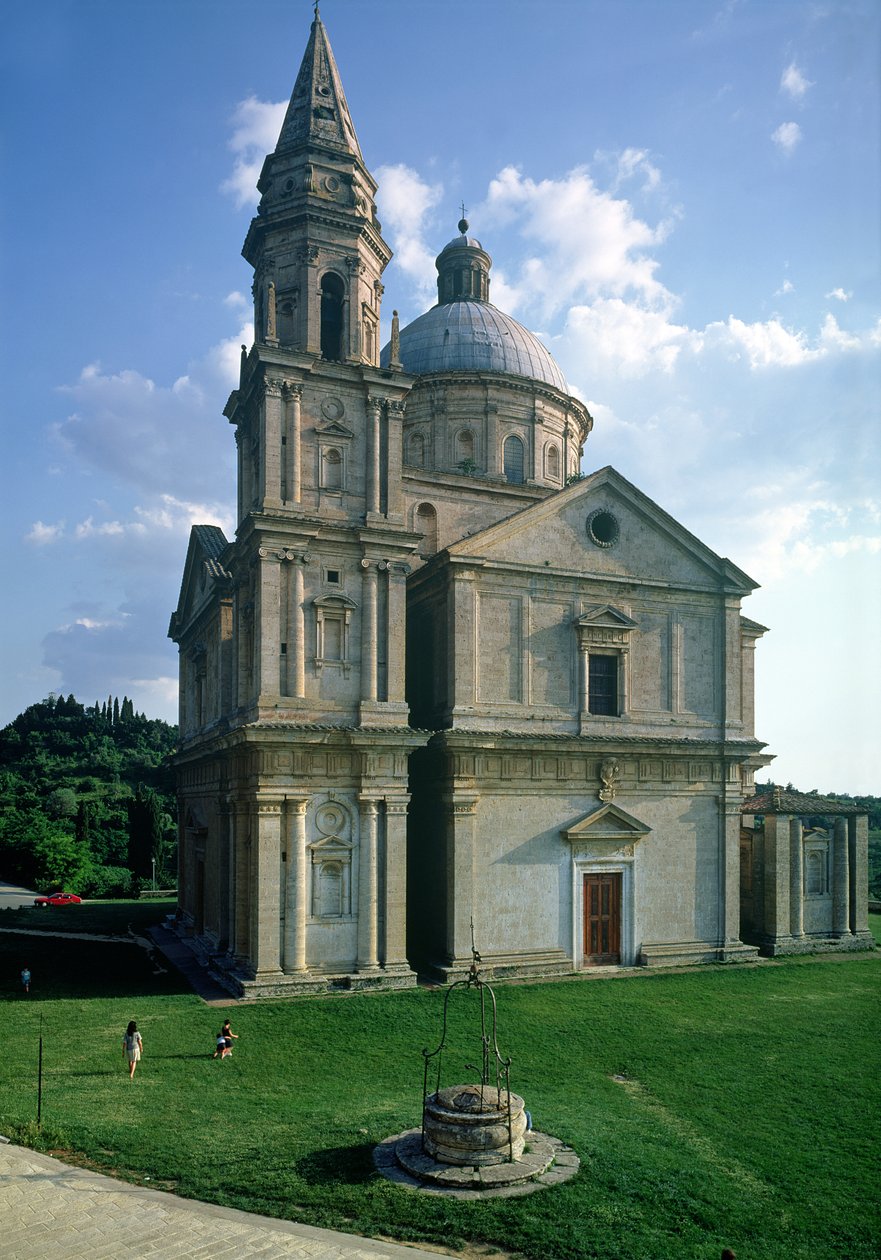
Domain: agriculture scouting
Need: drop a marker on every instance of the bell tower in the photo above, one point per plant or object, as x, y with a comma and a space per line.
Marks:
322, 554
315, 244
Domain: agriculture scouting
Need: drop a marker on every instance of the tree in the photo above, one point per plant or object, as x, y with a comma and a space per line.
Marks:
146, 839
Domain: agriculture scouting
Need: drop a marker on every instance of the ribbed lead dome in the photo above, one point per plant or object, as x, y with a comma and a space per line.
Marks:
469, 336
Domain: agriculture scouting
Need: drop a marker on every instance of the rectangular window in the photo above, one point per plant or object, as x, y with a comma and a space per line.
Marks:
603, 685
333, 639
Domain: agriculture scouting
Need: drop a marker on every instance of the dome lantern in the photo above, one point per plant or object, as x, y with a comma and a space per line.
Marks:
463, 269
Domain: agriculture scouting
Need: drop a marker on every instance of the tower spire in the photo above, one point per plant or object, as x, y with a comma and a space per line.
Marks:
318, 113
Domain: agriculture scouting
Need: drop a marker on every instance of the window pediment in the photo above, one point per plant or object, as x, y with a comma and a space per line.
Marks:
606, 616
334, 602
610, 823
334, 431
604, 626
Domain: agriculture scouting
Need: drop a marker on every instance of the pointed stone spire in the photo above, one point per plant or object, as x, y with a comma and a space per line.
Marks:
318, 114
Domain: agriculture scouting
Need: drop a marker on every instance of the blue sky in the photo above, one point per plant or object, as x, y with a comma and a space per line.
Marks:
680, 197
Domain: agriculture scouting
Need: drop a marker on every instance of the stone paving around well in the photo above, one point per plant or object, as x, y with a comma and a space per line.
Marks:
51, 1211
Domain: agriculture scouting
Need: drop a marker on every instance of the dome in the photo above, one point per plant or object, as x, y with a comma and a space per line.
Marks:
470, 336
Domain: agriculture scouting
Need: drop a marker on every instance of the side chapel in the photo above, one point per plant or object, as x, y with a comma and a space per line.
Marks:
440, 678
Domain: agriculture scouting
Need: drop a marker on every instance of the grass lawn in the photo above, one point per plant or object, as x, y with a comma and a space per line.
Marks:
726, 1106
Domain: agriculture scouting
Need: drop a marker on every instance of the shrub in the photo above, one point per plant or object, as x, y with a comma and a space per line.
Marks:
108, 881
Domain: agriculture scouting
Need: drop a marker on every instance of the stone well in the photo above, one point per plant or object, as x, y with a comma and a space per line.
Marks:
475, 1139
473, 1124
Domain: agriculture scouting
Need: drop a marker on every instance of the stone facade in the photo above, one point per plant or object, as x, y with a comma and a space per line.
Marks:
439, 681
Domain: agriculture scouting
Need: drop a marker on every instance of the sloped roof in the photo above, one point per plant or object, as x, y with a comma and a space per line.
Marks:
796, 803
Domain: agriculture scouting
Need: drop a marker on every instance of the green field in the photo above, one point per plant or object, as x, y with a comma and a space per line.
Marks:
726, 1106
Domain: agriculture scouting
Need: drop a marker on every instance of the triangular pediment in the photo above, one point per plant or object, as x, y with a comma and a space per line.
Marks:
602, 526
333, 429
606, 616
608, 822
204, 573
331, 847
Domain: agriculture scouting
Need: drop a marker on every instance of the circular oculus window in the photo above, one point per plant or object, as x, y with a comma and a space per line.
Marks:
602, 528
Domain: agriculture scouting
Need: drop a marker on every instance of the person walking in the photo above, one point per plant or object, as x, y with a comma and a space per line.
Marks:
26, 979
228, 1035
132, 1046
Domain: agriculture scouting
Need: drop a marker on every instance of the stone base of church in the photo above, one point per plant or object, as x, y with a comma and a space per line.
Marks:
242, 983
309, 984
685, 953
537, 966
820, 943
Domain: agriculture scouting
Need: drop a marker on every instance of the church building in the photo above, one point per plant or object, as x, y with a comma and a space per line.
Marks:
442, 686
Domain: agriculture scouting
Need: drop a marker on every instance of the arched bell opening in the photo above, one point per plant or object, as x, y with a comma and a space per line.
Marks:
332, 295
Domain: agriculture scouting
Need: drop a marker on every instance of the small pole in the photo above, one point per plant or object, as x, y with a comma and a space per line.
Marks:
40, 1076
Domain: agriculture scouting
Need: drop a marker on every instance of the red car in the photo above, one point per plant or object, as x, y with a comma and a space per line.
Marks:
58, 899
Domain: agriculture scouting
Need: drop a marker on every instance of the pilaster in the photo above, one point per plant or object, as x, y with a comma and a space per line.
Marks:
292, 447
858, 852
461, 908
270, 491
395, 952
777, 879
369, 579
296, 896
796, 878
269, 626
368, 956
840, 880
266, 892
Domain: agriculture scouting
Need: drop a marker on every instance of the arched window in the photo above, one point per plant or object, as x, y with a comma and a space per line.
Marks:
426, 523
332, 293
464, 446
513, 451
552, 462
286, 323
331, 469
416, 450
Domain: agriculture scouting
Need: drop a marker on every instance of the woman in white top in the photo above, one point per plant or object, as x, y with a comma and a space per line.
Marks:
132, 1045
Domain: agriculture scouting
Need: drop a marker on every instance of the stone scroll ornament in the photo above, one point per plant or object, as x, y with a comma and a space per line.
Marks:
609, 775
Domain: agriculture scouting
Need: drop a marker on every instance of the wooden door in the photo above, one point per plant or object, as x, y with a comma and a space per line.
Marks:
602, 919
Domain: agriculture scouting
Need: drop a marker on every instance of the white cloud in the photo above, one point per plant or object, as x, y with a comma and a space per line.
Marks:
236, 300
632, 163
585, 242
834, 338
626, 337
256, 128
766, 344
793, 83
405, 203
839, 294
787, 137
106, 529
786, 287
42, 534
161, 439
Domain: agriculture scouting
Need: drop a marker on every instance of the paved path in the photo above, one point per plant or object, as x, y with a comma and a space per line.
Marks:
12, 896
51, 1211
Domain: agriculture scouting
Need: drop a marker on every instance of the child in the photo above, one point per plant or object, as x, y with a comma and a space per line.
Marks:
222, 1048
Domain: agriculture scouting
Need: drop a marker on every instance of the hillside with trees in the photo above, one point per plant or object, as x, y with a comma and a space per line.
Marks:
87, 798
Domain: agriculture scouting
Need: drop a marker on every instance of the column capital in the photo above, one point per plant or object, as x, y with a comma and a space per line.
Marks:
269, 808
292, 389
272, 386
